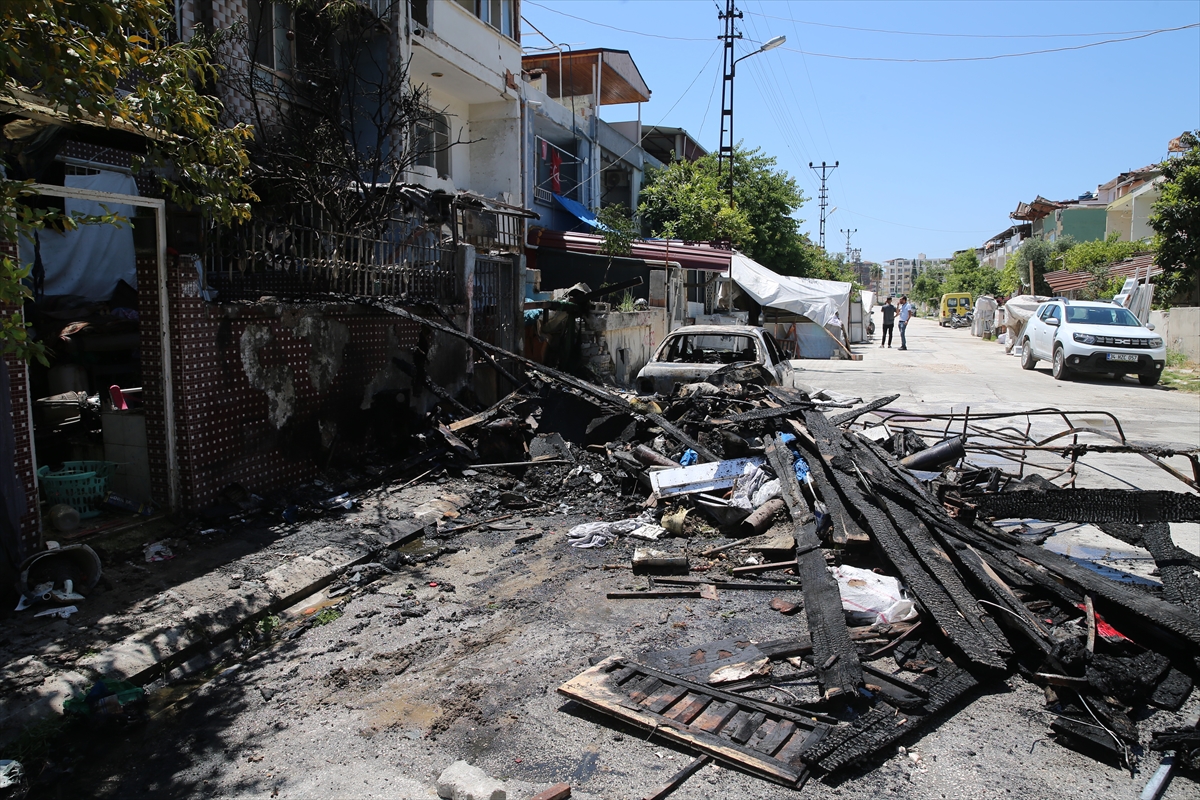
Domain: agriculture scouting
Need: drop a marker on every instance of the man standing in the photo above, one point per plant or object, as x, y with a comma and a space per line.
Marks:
889, 322
904, 313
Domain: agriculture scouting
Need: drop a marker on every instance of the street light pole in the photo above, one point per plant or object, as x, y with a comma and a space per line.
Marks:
725, 151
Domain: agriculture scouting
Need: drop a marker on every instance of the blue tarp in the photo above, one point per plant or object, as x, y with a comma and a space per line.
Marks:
579, 211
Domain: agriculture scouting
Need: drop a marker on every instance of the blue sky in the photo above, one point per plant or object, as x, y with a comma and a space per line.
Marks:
933, 156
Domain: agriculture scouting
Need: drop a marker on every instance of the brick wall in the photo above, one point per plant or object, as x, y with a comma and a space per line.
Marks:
262, 391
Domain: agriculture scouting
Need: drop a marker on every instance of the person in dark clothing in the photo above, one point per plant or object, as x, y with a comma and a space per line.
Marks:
889, 322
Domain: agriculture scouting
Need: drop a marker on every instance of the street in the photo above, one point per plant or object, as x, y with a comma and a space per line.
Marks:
459, 656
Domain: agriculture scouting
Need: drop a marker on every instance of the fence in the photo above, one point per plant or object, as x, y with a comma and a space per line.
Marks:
304, 256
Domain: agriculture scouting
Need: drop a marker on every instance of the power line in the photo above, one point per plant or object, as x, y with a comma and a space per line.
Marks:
614, 27
955, 35
990, 58
841, 57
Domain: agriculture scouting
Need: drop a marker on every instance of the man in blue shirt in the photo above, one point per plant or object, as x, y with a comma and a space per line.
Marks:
904, 312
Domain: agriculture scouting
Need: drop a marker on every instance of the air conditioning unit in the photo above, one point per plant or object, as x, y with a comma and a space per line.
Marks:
615, 177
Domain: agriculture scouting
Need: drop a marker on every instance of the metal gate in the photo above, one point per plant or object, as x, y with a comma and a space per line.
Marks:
492, 304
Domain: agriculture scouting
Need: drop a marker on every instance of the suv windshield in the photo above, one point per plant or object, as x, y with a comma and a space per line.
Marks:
1083, 315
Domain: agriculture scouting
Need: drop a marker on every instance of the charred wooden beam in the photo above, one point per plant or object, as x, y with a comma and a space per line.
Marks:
855, 413
822, 601
1092, 505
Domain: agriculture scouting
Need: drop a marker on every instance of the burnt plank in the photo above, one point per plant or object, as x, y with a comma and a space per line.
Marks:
1175, 567
748, 726
715, 717
688, 708
623, 674
776, 737
646, 687
773, 709
1092, 505
592, 689
759, 414
920, 561
855, 413
822, 601
795, 750
664, 698
679, 777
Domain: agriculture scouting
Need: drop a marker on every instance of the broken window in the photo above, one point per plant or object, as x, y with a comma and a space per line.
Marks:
710, 348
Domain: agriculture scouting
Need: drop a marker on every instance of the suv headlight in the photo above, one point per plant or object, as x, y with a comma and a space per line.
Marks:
1156, 342
1084, 338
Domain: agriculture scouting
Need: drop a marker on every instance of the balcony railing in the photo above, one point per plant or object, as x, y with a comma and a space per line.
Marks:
305, 257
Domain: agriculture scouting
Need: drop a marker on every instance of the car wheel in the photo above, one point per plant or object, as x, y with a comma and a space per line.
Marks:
1027, 359
1058, 366
1148, 380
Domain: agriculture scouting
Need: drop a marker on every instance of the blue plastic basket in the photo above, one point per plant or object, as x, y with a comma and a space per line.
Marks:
79, 484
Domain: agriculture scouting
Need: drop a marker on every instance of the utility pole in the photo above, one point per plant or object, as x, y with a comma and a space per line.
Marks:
823, 171
725, 153
849, 250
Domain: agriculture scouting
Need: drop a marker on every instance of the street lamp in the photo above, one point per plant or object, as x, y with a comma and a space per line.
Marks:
770, 44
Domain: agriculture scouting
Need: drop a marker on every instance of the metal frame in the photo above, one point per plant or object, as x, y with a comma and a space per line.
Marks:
160, 218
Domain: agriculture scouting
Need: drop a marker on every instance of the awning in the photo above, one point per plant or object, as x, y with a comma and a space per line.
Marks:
689, 255
815, 299
580, 212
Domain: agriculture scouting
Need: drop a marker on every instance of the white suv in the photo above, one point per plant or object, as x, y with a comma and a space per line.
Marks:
1081, 336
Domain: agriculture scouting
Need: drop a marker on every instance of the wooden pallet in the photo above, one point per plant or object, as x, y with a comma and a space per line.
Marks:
763, 738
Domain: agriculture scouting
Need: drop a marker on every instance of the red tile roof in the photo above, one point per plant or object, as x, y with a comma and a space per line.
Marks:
1062, 281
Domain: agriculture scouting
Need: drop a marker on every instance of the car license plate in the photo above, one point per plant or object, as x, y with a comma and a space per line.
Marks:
1122, 357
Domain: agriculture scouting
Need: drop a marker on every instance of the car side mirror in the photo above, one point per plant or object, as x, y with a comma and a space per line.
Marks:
1052, 322
1149, 326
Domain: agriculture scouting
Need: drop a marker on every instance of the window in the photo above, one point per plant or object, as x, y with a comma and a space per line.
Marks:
271, 35
432, 142
710, 348
497, 13
1054, 312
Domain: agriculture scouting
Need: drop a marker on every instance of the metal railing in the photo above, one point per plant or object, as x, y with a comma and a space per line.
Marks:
489, 230
306, 256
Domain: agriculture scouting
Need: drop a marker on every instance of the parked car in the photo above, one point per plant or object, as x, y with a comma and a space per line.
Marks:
1082, 336
694, 352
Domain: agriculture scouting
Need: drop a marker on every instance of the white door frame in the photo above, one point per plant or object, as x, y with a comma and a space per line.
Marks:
160, 218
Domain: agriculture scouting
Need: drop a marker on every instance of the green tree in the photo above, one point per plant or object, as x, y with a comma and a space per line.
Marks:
688, 200
684, 200
1101, 252
968, 275
112, 61
1014, 278
1176, 220
930, 285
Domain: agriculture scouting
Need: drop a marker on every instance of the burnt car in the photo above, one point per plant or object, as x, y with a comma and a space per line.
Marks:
691, 354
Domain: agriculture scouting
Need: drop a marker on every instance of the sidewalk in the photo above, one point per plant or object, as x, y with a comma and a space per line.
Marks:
147, 619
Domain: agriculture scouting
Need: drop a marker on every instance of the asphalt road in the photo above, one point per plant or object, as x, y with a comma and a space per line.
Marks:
377, 704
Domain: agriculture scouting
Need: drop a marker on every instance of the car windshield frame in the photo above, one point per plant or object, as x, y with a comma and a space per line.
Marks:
672, 352
1115, 316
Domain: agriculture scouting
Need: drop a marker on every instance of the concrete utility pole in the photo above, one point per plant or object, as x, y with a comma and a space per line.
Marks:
823, 171
849, 249
725, 151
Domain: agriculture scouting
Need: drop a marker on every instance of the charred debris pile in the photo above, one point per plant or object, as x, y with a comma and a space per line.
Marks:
885, 537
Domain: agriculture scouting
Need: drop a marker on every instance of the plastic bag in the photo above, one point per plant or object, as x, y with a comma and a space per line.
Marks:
746, 486
688, 458
870, 598
601, 534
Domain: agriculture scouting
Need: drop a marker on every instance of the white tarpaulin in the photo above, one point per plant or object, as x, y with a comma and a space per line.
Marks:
808, 297
90, 260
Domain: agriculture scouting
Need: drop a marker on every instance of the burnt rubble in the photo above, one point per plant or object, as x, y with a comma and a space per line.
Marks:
809, 499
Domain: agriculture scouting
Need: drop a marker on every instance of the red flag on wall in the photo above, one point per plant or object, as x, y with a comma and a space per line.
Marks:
556, 172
